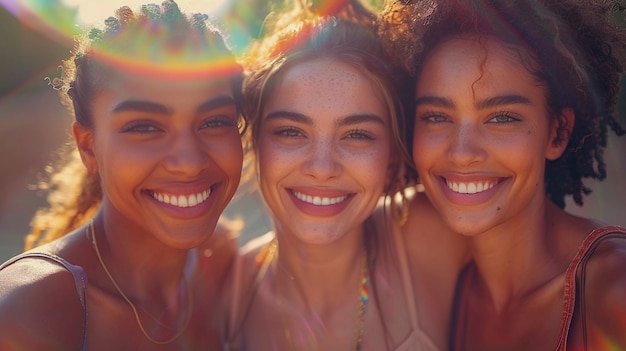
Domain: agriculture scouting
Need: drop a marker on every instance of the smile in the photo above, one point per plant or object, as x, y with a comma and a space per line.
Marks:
470, 187
182, 200
318, 200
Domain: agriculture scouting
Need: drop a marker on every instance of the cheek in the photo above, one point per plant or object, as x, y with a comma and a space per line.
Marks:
270, 162
371, 167
425, 149
229, 154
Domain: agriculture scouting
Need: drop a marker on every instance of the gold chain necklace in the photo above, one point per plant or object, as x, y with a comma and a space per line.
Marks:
132, 306
271, 254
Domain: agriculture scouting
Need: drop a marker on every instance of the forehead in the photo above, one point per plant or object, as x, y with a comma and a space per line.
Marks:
480, 63
179, 95
326, 85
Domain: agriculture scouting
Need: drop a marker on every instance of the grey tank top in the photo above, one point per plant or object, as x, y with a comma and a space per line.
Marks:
80, 279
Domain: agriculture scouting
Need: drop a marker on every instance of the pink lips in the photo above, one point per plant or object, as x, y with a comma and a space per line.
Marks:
323, 204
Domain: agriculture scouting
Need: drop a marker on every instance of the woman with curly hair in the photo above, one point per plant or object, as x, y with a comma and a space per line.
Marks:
512, 104
155, 96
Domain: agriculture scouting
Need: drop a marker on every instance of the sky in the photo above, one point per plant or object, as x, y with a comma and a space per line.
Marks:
92, 12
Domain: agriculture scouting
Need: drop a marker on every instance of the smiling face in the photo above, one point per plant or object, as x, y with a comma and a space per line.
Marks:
168, 153
482, 135
323, 150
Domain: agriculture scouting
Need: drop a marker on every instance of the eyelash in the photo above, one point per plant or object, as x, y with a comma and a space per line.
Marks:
510, 117
434, 117
360, 134
216, 122
290, 132
437, 118
141, 127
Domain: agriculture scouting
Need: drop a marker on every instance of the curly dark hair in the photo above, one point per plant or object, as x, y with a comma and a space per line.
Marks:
128, 38
575, 48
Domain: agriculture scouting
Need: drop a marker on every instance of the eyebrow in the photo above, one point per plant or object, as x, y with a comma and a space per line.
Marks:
361, 118
217, 102
435, 101
153, 107
511, 99
141, 106
301, 118
500, 100
293, 116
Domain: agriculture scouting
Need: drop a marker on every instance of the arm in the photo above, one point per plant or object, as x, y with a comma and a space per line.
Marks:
605, 297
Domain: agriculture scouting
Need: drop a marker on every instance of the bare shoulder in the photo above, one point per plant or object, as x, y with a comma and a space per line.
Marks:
216, 255
605, 291
39, 307
239, 288
428, 237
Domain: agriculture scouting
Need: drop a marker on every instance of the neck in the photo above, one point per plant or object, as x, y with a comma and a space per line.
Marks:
518, 256
144, 268
321, 276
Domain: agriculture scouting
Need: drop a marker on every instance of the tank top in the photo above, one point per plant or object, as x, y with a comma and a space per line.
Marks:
573, 291
417, 340
80, 280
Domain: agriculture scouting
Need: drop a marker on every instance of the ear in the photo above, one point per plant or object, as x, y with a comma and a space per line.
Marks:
85, 143
559, 138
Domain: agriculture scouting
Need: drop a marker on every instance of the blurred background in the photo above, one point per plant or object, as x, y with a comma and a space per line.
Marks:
37, 34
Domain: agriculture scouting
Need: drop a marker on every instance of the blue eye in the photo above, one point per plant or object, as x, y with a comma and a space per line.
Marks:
434, 117
360, 134
503, 117
290, 132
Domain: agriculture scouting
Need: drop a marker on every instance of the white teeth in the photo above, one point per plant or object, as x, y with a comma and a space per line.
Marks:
471, 187
183, 200
318, 200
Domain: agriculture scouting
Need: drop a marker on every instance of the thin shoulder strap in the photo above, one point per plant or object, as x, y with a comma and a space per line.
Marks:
237, 319
398, 240
236, 303
80, 280
575, 272
459, 312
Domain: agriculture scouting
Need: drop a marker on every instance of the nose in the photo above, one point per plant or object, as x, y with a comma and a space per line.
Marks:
322, 160
186, 154
466, 145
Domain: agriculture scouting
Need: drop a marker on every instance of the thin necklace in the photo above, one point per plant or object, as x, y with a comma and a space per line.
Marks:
363, 297
132, 306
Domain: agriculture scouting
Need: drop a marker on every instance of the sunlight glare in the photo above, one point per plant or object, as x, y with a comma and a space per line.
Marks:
93, 13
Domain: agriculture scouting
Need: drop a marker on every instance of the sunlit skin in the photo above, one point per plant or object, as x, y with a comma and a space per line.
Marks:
154, 139
140, 253
323, 133
482, 137
323, 149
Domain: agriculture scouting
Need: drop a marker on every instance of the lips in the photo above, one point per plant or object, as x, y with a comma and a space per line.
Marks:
319, 200
182, 200
473, 187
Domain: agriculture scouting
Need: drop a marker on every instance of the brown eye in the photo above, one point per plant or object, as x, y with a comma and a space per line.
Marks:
218, 122
140, 127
